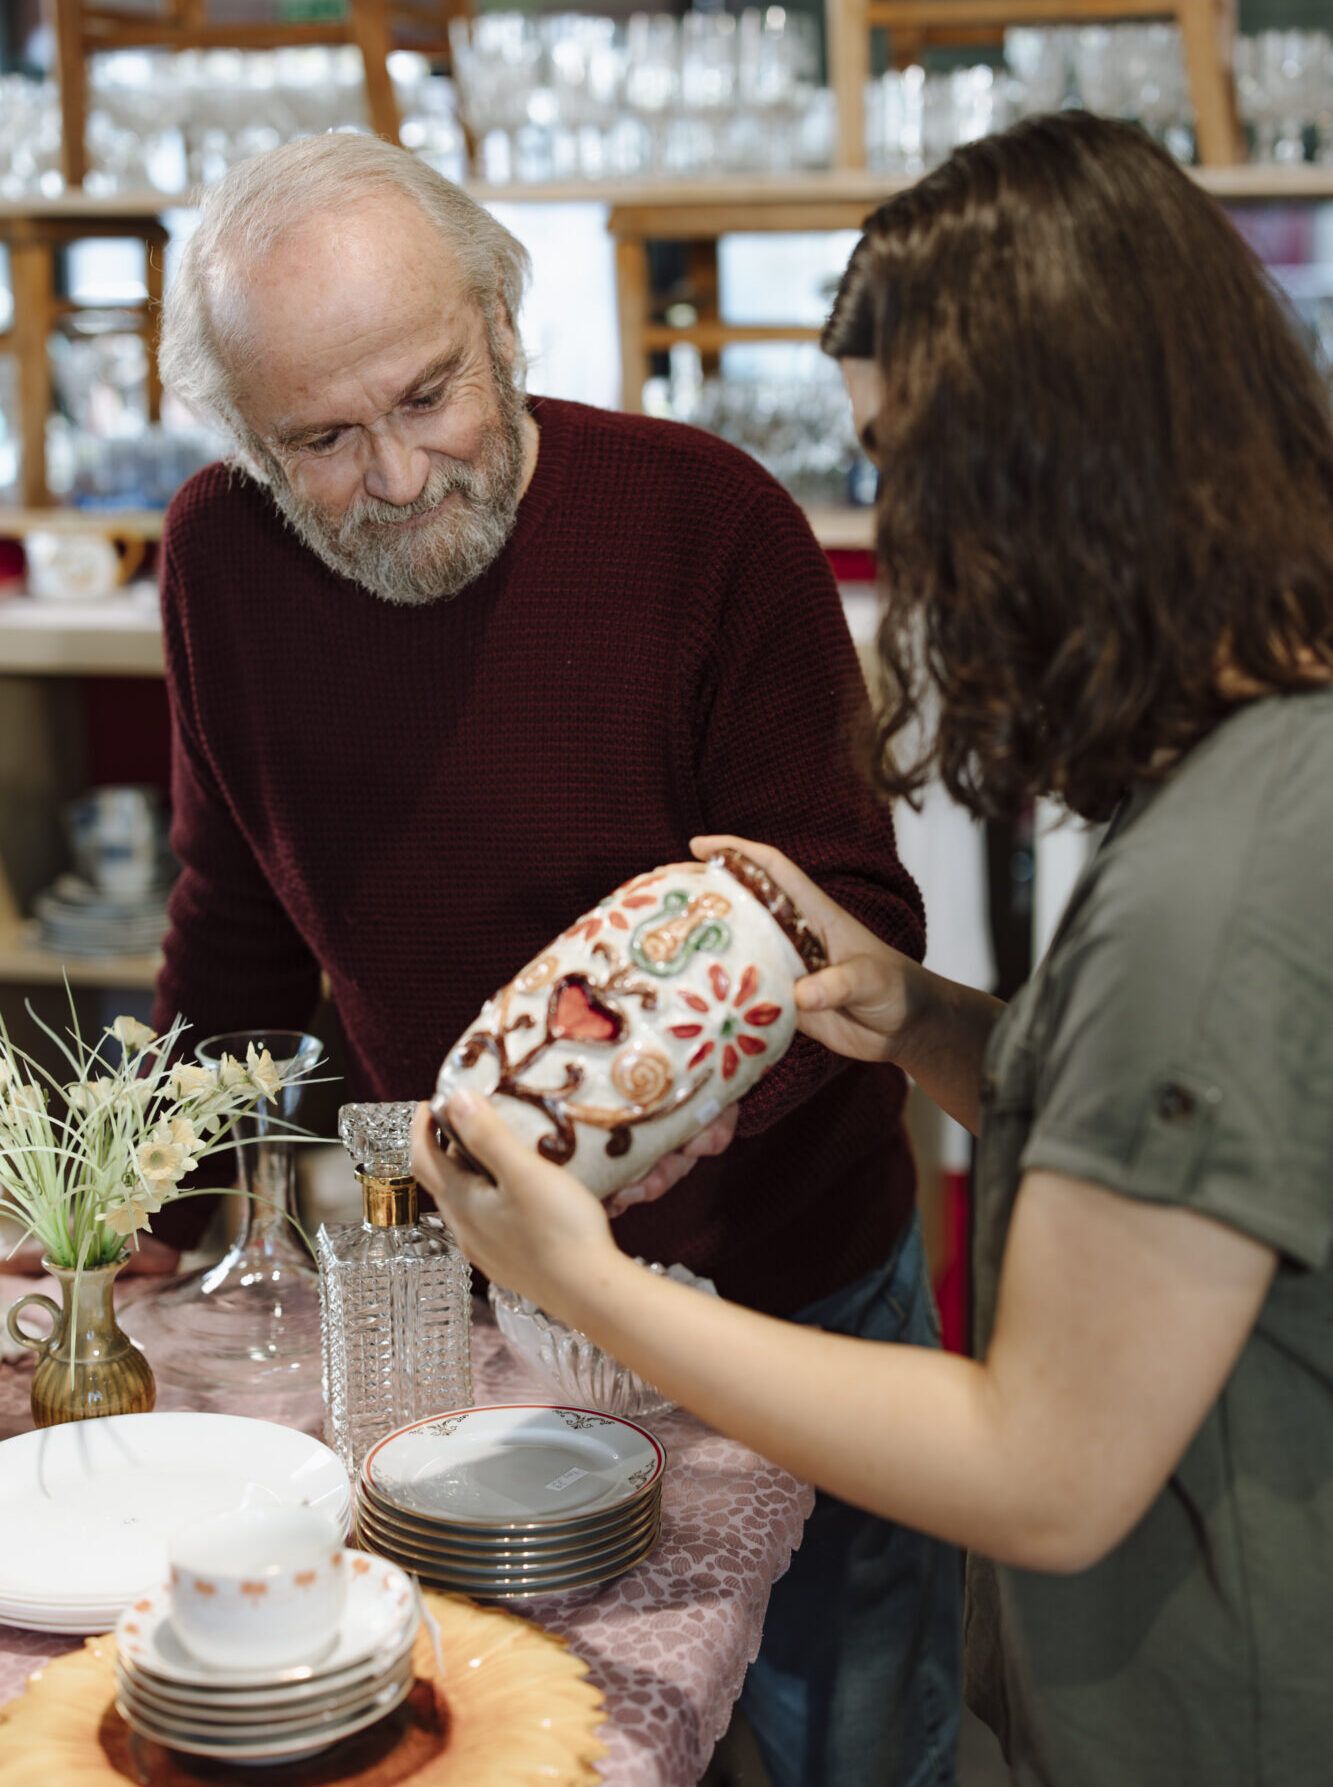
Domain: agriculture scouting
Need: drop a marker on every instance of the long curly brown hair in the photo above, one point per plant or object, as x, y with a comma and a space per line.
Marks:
1106, 509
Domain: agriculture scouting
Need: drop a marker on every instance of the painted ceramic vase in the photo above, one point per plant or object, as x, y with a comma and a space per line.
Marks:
641, 1022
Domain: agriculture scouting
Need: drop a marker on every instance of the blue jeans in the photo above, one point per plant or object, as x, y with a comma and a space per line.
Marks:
857, 1679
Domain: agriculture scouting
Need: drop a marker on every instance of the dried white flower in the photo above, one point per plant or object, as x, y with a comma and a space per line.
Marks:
27, 1098
134, 1036
132, 1212
232, 1073
165, 1157
189, 1081
265, 1074
90, 1095
180, 1131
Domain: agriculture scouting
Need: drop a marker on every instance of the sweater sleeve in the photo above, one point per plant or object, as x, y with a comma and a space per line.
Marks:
233, 960
782, 703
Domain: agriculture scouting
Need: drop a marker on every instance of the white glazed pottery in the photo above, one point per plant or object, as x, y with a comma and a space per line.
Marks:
97, 1501
259, 1587
515, 1466
642, 1021
378, 1620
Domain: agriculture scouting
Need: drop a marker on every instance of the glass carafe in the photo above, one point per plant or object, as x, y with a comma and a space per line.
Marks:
246, 1330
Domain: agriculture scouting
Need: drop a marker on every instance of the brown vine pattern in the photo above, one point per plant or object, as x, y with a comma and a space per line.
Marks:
578, 1008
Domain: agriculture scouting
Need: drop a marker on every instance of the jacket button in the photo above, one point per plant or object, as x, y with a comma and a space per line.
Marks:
1175, 1104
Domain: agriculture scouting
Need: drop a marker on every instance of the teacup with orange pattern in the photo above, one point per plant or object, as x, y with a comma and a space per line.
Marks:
258, 1588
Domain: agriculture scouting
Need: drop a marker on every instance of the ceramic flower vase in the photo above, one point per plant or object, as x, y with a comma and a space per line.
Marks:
642, 1021
86, 1365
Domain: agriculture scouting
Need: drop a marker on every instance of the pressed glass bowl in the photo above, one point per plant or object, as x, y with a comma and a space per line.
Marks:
572, 1364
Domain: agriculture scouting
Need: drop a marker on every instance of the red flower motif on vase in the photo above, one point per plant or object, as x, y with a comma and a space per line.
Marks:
630, 895
734, 1035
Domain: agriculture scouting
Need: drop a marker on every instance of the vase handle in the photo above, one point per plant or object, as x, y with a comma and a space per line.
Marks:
34, 1342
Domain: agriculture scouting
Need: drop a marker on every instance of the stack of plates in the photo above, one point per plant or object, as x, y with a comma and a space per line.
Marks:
88, 1507
515, 1501
272, 1715
76, 919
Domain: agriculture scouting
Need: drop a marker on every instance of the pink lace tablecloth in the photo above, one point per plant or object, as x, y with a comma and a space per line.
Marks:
668, 1644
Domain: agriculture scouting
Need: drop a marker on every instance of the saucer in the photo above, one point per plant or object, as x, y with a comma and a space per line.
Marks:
380, 1602
518, 1466
207, 1719
426, 1558
291, 1748
500, 1545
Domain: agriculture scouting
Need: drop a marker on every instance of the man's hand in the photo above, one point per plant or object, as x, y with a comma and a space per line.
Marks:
860, 1006
672, 1168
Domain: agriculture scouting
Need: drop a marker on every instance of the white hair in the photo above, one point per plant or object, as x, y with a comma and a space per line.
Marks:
246, 213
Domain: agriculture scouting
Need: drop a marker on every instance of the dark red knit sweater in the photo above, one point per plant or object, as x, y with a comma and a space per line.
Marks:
416, 799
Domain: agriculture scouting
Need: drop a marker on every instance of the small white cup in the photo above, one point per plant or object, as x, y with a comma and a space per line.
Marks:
259, 1588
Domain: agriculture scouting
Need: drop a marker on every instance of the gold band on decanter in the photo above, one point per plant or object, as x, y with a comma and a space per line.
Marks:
388, 1200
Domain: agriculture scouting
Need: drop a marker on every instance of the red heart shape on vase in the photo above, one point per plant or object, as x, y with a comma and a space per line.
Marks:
576, 1014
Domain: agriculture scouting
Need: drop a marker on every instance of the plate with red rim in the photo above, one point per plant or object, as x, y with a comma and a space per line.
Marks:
515, 1466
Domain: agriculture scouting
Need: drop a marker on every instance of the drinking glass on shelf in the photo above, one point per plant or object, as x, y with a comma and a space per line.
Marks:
1041, 59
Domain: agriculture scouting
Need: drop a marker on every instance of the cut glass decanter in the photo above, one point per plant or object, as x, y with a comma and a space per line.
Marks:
396, 1296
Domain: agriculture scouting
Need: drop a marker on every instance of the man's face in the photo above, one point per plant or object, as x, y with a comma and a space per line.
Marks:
381, 401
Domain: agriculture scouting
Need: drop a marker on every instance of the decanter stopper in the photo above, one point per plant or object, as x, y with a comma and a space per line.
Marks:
378, 1137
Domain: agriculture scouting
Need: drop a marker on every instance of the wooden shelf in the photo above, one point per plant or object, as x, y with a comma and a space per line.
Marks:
112, 524
118, 636
841, 528
1248, 181
22, 961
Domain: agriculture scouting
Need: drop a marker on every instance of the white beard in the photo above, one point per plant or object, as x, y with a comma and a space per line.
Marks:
415, 565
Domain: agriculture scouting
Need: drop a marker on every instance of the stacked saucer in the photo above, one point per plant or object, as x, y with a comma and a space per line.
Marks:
515, 1501
271, 1715
76, 919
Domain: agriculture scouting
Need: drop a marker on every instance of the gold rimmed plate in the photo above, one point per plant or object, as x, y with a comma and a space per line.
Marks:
508, 1586
438, 1536
514, 1467
288, 1699
207, 1716
504, 1570
289, 1747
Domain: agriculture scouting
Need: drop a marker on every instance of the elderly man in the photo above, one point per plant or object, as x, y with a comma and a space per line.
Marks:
448, 664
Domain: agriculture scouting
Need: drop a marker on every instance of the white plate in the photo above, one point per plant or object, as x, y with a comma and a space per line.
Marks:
239, 1723
444, 1564
515, 1465
287, 1749
78, 1625
251, 1702
380, 1600
96, 1501
498, 1544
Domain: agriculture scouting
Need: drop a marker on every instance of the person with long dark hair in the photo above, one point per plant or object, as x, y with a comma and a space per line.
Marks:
1106, 535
